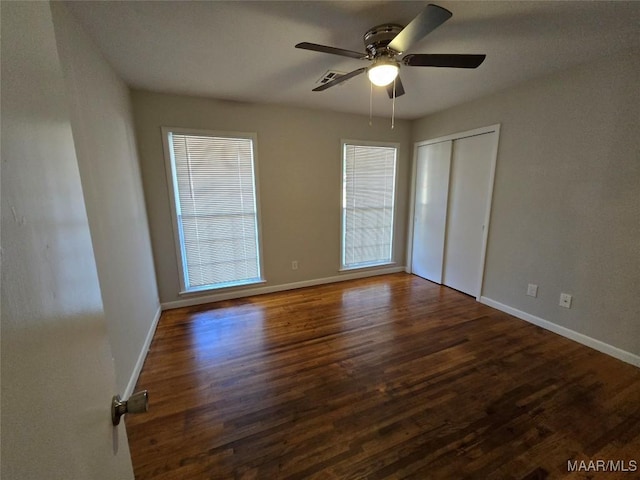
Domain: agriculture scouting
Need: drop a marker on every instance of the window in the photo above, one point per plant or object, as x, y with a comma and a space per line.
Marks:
212, 178
368, 200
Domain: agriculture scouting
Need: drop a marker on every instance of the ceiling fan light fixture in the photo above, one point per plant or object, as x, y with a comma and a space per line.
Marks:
385, 43
383, 72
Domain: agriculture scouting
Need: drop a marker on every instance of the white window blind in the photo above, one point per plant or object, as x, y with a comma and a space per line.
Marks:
368, 200
215, 210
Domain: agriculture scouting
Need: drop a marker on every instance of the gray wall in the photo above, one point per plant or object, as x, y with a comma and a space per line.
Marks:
299, 175
103, 134
566, 205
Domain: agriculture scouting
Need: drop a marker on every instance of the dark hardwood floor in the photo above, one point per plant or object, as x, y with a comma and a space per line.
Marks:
386, 377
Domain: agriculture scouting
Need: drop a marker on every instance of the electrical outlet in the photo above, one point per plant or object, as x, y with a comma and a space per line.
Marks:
294, 264
532, 290
565, 300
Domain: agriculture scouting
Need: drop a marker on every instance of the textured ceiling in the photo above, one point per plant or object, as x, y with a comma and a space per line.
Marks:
244, 50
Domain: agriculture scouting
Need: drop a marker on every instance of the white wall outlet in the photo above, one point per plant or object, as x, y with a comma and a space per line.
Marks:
532, 290
565, 300
294, 264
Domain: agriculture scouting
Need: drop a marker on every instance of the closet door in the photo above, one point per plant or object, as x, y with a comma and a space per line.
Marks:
469, 194
430, 209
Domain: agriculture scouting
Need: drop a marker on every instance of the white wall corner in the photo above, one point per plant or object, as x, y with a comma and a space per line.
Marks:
131, 385
598, 345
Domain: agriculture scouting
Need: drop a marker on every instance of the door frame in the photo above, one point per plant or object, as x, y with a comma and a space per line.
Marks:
487, 217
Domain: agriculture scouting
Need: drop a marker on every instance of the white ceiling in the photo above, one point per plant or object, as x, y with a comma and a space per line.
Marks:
244, 50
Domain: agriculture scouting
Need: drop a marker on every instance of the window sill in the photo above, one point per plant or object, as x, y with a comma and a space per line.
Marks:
367, 266
222, 287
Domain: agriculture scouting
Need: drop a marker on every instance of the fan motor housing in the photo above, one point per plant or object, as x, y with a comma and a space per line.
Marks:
377, 39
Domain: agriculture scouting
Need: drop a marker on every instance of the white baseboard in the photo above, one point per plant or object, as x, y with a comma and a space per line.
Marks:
248, 292
615, 352
142, 356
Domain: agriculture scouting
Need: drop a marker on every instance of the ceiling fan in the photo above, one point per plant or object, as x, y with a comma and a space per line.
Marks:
385, 43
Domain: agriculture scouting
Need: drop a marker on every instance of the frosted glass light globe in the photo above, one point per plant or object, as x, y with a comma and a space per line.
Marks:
382, 74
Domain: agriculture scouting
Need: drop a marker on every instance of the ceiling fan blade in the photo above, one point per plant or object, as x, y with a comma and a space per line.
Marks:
340, 79
426, 22
333, 50
443, 60
399, 88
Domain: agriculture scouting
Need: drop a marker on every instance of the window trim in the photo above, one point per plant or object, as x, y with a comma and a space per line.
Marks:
172, 189
367, 143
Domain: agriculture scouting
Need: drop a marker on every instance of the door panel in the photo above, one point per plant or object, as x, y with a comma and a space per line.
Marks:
468, 199
57, 371
430, 210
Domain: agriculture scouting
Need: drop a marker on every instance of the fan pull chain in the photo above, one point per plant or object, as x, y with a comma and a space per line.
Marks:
370, 103
393, 107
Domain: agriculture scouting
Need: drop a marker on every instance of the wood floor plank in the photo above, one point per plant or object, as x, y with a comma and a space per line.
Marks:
385, 377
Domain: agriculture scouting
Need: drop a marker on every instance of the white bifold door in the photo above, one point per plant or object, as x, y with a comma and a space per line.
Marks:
453, 188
